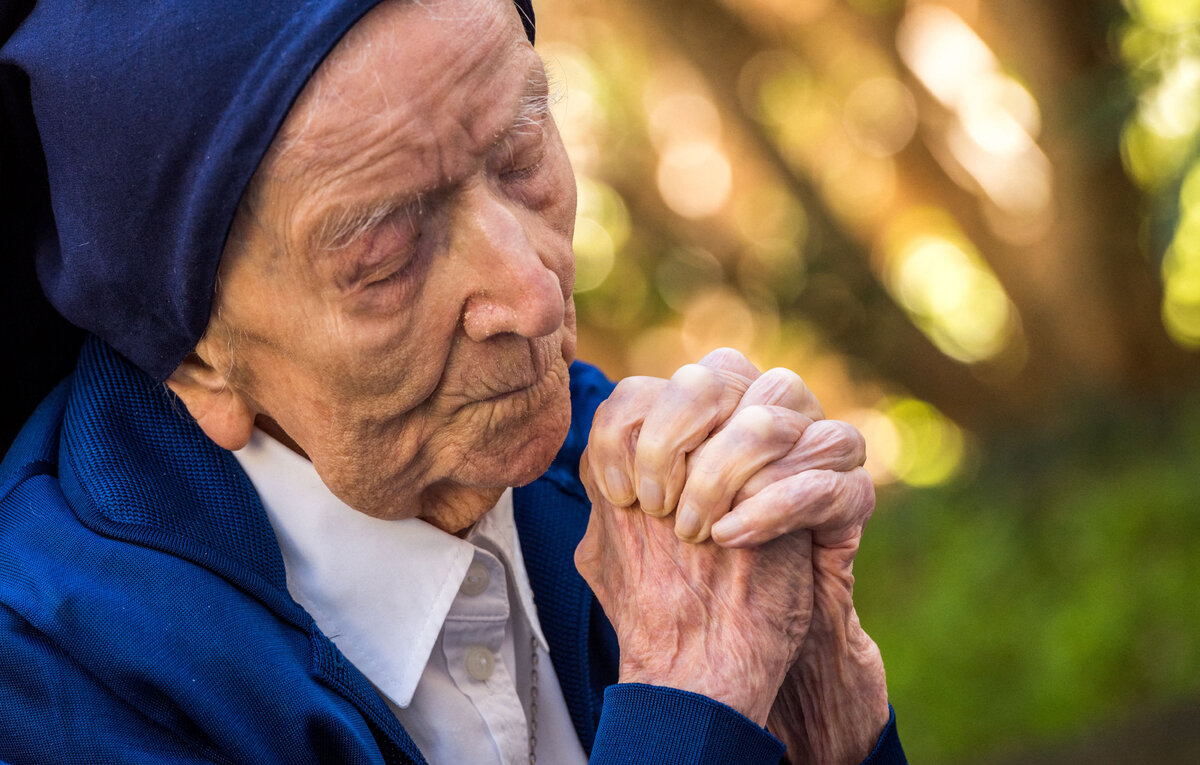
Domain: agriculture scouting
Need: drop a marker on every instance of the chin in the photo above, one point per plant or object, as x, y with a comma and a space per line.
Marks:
454, 504
521, 453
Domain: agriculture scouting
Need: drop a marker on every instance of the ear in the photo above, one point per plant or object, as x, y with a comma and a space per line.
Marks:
220, 410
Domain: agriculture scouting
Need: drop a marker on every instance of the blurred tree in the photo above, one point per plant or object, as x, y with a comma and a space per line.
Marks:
1013, 168
943, 213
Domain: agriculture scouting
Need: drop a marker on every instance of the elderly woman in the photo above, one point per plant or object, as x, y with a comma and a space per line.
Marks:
340, 234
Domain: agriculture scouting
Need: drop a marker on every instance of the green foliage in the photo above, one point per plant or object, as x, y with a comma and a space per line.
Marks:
1050, 594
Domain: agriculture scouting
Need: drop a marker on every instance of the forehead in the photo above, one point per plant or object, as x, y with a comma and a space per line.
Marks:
411, 79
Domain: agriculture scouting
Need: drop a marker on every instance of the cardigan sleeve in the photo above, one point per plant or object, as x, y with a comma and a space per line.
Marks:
54, 711
656, 725
652, 725
887, 749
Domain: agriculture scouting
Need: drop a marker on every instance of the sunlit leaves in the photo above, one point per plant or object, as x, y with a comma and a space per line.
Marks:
601, 230
1161, 45
690, 237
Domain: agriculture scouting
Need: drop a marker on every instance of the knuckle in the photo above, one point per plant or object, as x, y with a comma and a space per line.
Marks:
846, 437
756, 421
837, 439
628, 393
792, 388
722, 353
730, 359
604, 436
693, 376
585, 554
827, 483
785, 377
785, 388
653, 449
864, 492
724, 356
604, 413
846, 432
631, 385
785, 385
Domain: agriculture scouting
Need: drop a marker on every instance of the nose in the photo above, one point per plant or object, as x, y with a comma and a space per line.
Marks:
512, 289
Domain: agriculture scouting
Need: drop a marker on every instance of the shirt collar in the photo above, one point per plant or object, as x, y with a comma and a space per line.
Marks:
380, 589
497, 530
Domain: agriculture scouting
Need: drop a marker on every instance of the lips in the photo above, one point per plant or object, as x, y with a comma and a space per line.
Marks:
506, 393
512, 373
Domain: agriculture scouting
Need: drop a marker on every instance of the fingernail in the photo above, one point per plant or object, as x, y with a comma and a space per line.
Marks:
651, 496
687, 523
618, 485
727, 529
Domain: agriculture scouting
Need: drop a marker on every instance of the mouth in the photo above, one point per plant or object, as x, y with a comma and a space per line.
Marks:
534, 387
508, 394
519, 374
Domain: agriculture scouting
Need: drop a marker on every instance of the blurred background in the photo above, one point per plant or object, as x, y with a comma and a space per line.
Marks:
974, 228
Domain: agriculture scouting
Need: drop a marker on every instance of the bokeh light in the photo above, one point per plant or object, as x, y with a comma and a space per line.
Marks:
931, 447
718, 318
1181, 268
992, 136
917, 205
943, 52
683, 118
694, 178
910, 441
1162, 45
938, 277
1165, 14
601, 230
880, 116
577, 105
685, 272
787, 11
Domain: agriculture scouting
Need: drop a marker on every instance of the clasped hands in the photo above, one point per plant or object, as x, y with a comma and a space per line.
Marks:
761, 615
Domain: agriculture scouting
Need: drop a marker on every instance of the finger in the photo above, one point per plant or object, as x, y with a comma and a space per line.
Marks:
834, 505
585, 475
614, 434
732, 361
695, 400
752, 438
783, 387
588, 551
825, 445
587, 478
618, 421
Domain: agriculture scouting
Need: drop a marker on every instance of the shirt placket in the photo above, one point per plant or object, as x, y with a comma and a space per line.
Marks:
479, 655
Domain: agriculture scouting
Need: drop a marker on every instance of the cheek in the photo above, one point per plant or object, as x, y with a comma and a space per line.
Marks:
347, 391
564, 199
556, 220
397, 352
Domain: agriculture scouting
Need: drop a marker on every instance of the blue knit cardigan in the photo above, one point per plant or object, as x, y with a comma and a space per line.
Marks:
145, 618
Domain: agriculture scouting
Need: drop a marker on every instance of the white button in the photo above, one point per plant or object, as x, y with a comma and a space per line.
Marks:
477, 579
480, 663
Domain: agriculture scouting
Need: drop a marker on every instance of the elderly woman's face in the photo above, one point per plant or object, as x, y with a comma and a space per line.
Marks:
400, 305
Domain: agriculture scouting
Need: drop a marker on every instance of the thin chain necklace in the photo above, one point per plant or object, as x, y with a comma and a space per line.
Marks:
533, 699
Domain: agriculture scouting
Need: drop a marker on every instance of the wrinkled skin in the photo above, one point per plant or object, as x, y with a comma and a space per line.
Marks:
420, 363
419, 358
753, 457
725, 623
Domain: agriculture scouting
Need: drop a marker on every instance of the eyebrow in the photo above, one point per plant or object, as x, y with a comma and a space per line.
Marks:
344, 224
535, 101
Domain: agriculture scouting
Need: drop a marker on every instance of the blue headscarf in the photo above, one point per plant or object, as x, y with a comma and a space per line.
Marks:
130, 131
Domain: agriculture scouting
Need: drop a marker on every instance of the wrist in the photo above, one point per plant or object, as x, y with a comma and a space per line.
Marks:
745, 686
842, 689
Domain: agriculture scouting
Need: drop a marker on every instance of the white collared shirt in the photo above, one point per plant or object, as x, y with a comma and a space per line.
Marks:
426, 616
